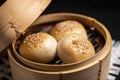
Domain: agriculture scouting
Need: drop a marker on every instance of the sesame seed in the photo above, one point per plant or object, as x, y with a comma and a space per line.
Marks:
34, 40
79, 45
66, 26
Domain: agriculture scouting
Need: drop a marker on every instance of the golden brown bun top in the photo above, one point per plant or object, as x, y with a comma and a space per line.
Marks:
65, 27
74, 47
34, 40
38, 47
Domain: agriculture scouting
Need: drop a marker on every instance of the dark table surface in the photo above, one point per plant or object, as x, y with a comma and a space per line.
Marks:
106, 12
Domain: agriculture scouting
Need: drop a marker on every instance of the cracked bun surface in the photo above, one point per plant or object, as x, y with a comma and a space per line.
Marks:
74, 47
38, 47
66, 27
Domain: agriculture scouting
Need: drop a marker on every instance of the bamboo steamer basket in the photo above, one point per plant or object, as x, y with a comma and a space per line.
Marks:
95, 68
16, 16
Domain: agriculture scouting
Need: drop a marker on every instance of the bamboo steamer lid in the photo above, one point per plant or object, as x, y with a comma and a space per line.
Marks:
16, 16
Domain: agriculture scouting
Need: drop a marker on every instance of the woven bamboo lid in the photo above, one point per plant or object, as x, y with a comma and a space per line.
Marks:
16, 16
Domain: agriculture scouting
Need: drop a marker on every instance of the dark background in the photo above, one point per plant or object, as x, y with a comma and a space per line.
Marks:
107, 12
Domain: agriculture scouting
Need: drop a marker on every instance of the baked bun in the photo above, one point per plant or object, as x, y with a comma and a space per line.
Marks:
38, 47
65, 27
74, 47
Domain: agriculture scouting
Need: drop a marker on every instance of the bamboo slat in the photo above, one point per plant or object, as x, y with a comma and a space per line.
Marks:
16, 16
95, 68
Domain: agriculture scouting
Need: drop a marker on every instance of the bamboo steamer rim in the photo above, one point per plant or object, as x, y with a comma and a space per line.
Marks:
99, 56
16, 16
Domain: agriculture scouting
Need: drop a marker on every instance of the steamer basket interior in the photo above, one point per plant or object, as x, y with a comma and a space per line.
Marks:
93, 34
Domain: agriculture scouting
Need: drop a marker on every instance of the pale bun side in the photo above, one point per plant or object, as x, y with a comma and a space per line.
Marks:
66, 27
74, 47
38, 47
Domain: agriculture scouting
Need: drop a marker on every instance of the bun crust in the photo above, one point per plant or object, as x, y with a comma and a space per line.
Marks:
37, 47
74, 47
66, 27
